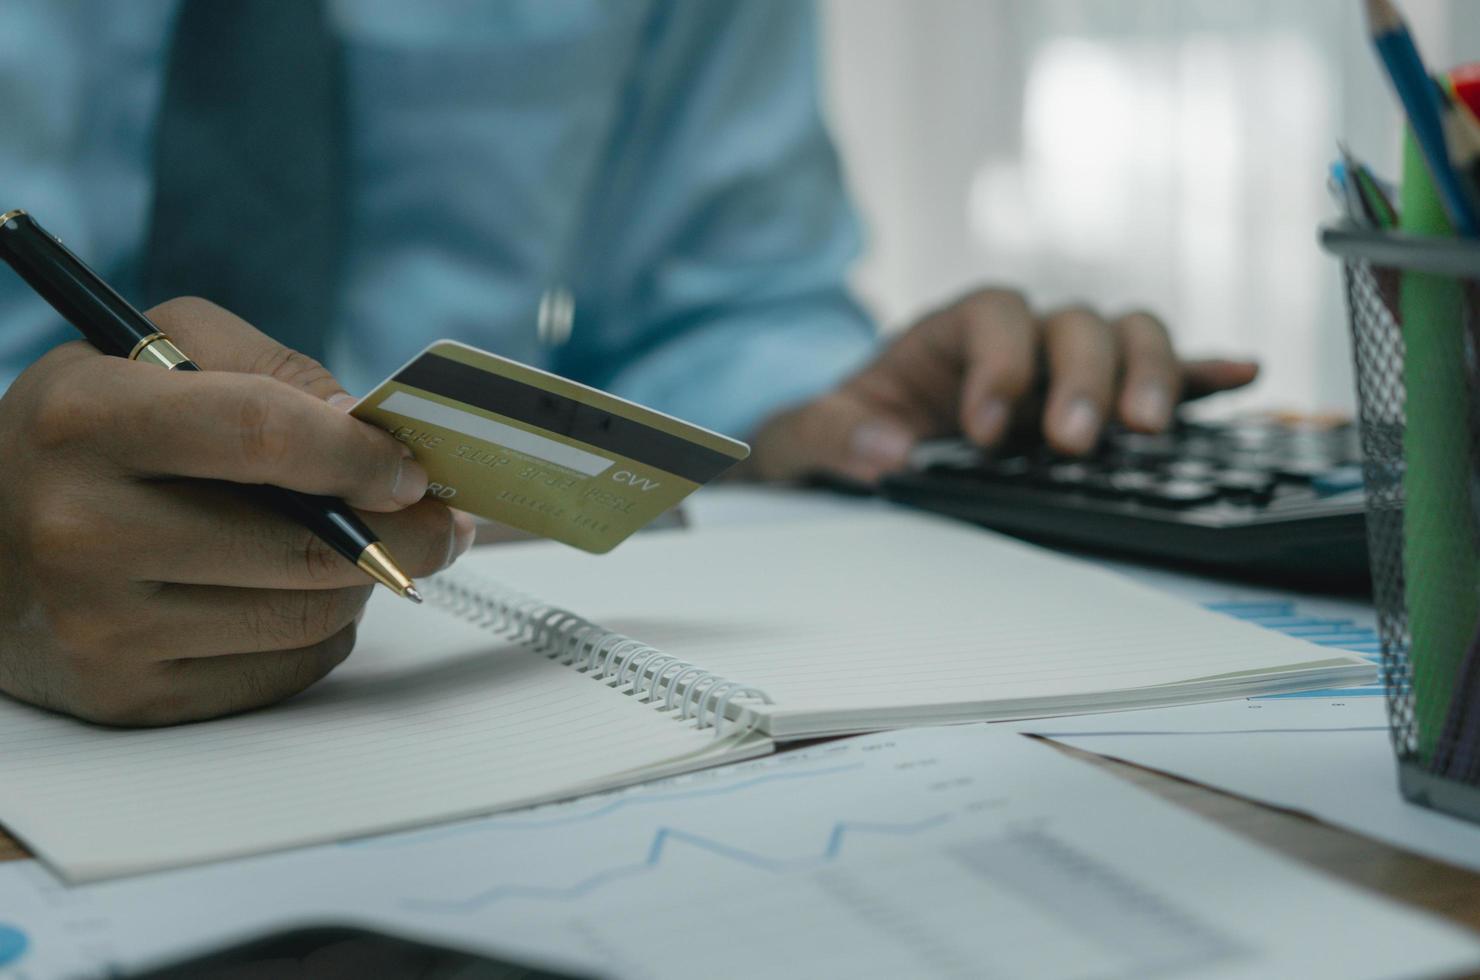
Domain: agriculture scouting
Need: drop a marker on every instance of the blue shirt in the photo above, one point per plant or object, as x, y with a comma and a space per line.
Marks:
663, 161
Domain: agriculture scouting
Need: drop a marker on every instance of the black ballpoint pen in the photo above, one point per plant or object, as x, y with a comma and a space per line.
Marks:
115, 327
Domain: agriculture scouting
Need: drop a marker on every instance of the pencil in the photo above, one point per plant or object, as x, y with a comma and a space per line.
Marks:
1420, 98
1367, 196
1462, 137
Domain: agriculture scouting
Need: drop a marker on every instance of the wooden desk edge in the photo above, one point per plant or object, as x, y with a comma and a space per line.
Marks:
1444, 889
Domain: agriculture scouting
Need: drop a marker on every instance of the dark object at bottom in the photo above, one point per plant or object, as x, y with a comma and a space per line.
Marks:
1258, 499
342, 953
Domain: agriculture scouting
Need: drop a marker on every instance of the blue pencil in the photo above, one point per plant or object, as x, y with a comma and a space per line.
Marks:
1416, 91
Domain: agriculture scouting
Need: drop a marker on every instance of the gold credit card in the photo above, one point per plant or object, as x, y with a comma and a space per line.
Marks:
528, 448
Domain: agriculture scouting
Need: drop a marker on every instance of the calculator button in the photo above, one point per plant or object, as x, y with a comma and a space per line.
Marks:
1252, 436
1246, 484
1071, 475
1202, 447
1012, 468
1160, 446
1191, 469
1133, 482
1181, 493
945, 454
1342, 479
1303, 469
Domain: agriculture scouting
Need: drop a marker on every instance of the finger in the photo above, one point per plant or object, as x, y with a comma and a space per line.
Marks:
236, 427
215, 534
67, 353
1208, 377
961, 367
213, 686
1000, 342
1152, 381
839, 434
195, 621
464, 533
1083, 363
219, 340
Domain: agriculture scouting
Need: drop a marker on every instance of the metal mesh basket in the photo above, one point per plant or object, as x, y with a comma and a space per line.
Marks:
1412, 308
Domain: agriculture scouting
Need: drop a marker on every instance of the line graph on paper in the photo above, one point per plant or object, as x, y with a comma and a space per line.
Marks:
665, 840
895, 848
594, 808
749, 849
1031, 881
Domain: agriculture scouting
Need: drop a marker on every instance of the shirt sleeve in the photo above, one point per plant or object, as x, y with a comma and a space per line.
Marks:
710, 276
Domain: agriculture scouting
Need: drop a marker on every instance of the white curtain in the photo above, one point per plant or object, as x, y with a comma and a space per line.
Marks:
1167, 154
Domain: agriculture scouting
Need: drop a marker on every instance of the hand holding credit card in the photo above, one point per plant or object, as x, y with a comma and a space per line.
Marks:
547, 455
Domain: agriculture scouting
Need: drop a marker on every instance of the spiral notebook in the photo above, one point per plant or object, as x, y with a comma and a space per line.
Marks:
690, 649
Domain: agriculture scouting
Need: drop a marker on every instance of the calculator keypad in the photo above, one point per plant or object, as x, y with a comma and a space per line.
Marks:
1261, 498
1248, 466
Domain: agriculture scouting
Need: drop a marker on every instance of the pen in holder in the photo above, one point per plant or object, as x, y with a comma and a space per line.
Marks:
1414, 309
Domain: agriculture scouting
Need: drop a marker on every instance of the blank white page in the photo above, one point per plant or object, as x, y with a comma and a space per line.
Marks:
429, 719
890, 619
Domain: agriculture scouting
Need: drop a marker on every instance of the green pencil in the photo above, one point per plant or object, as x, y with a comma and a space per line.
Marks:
1439, 560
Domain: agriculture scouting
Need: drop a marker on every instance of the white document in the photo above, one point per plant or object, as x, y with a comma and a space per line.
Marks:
431, 718
1323, 753
947, 853
1343, 774
890, 619
872, 622
1345, 778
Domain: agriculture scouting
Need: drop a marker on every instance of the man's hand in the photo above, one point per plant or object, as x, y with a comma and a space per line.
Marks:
138, 584
985, 366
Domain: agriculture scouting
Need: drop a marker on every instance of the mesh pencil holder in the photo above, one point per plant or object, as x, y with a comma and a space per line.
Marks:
1414, 310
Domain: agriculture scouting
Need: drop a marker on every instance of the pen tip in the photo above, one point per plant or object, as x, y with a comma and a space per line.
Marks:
413, 595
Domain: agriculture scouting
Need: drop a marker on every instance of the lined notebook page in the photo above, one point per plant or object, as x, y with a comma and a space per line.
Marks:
429, 719
889, 614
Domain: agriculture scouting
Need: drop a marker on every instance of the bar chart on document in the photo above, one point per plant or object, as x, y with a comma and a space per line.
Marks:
1344, 624
1341, 629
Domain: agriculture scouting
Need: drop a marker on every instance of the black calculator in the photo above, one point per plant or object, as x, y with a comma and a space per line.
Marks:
1266, 498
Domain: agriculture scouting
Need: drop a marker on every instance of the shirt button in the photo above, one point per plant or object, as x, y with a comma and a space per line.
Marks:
556, 316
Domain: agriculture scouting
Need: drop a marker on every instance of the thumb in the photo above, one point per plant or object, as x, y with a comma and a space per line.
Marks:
1208, 377
837, 435
219, 340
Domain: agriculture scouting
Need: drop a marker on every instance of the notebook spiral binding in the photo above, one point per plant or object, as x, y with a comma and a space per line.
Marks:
633, 667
